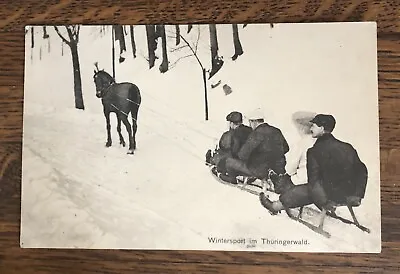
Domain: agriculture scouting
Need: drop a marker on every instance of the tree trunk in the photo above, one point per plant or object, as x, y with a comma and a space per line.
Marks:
178, 34
119, 36
213, 41
32, 38
205, 94
133, 41
151, 44
77, 76
159, 30
236, 42
216, 61
45, 34
164, 65
113, 51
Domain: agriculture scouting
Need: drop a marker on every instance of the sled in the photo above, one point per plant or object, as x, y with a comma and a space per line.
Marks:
257, 186
322, 216
251, 185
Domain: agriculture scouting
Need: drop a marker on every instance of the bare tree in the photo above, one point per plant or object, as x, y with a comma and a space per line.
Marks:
216, 61
133, 41
178, 35
192, 48
164, 65
72, 42
151, 44
236, 42
32, 37
45, 34
119, 36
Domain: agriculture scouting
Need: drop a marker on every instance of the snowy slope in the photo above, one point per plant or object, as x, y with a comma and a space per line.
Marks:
77, 193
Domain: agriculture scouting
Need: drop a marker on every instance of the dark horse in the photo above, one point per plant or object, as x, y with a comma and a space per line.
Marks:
121, 98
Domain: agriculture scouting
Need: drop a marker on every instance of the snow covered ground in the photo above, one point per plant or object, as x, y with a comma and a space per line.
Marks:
77, 193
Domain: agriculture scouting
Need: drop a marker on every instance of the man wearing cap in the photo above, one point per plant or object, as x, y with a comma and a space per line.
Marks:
336, 175
264, 149
232, 140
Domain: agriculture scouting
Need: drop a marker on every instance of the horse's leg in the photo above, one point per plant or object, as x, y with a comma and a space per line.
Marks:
137, 99
129, 130
134, 129
121, 138
108, 126
134, 124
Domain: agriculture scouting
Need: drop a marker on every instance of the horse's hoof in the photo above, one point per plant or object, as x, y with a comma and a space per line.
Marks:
108, 144
130, 152
123, 144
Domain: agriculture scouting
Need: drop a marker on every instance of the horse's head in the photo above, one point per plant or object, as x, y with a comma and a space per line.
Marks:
103, 81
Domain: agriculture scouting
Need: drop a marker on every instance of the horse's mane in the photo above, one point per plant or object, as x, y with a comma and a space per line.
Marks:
105, 74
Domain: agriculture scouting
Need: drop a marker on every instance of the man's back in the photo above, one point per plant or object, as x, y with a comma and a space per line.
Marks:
336, 165
240, 135
265, 146
225, 142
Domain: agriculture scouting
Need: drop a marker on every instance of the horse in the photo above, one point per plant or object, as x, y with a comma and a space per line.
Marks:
122, 99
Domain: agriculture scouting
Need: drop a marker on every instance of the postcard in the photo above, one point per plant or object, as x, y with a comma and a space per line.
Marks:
237, 137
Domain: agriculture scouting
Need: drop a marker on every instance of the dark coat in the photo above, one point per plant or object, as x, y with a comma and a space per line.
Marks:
230, 143
265, 148
240, 135
336, 167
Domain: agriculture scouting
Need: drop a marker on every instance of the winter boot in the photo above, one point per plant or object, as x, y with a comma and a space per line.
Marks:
267, 203
282, 182
228, 179
208, 156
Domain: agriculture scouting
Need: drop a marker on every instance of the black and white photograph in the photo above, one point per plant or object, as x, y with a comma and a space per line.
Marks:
236, 137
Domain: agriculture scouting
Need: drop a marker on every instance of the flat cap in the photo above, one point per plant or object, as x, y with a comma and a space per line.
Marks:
325, 120
235, 117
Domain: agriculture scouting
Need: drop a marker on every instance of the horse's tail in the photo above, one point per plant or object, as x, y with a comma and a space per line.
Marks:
136, 100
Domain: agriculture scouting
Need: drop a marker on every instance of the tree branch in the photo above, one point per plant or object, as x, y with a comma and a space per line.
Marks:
179, 48
198, 38
70, 32
194, 53
62, 37
78, 27
180, 58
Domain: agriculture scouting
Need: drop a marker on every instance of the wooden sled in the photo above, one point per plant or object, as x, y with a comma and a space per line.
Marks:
320, 227
250, 185
257, 186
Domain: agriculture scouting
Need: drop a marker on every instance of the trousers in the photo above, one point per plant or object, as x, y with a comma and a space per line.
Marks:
302, 195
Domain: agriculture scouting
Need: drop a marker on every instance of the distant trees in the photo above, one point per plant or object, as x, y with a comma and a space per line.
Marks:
69, 35
153, 32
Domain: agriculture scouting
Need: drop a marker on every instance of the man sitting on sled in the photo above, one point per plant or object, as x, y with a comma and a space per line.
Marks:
336, 175
264, 149
296, 166
230, 142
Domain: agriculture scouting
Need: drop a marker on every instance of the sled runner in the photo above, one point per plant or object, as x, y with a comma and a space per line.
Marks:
322, 215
